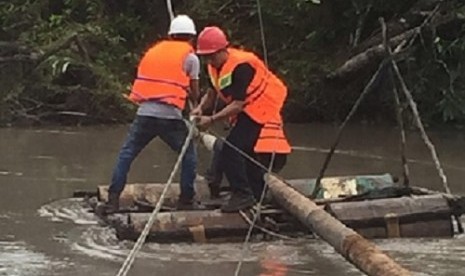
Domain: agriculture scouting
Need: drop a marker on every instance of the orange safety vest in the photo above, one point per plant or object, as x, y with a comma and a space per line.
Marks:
264, 100
160, 75
272, 138
265, 94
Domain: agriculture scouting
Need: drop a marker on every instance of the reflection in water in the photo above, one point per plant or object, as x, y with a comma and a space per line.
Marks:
40, 238
272, 267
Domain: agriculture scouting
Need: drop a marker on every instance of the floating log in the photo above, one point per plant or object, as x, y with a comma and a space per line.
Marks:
360, 252
331, 187
424, 216
185, 226
151, 193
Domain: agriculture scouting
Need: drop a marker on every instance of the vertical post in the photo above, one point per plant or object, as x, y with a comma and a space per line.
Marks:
403, 140
400, 121
366, 90
415, 112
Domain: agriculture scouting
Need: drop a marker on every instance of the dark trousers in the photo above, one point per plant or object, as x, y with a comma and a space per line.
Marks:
243, 175
142, 131
256, 174
214, 175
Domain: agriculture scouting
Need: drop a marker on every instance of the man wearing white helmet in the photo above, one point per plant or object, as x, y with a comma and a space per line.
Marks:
167, 75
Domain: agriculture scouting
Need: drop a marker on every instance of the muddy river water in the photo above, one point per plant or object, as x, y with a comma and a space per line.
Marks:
45, 232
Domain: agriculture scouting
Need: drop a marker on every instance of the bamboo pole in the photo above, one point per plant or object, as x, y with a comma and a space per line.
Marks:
413, 107
369, 87
403, 138
357, 250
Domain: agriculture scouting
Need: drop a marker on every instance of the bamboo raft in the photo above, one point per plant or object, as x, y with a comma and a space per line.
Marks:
373, 205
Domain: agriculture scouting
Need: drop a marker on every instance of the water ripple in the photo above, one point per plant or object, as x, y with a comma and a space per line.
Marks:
70, 209
17, 259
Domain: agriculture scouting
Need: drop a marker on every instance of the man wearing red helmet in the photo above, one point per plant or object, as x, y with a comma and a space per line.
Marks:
254, 97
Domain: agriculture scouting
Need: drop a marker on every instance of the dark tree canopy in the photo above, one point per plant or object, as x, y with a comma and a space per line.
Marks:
70, 61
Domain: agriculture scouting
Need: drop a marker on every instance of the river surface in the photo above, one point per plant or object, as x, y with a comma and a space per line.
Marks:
45, 232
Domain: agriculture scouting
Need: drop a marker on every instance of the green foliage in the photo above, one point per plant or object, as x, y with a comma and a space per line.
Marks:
82, 54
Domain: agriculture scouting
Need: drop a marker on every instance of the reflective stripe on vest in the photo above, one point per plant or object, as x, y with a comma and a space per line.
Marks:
160, 75
265, 94
272, 139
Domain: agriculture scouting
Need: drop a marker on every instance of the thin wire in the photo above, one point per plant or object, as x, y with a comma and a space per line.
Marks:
140, 241
241, 152
170, 9
263, 229
262, 33
273, 155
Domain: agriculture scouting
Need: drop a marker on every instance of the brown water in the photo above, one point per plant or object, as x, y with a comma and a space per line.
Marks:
44, 232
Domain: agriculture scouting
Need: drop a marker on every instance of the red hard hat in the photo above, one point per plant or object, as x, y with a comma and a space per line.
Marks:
211, 40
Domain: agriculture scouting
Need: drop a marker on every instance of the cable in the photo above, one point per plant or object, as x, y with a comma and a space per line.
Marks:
170, 9
140, 241
273, 155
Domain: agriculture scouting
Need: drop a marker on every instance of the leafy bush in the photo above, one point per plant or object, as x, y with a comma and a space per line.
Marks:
80, 55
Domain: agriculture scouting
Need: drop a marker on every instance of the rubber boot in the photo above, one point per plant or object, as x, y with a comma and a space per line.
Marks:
238, 201
214, 190
112, 205
109, 207
188, 204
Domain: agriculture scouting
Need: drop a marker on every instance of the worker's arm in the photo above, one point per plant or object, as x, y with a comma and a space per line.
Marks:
241, 79
234, 108
206, 102
194, 91
192, 68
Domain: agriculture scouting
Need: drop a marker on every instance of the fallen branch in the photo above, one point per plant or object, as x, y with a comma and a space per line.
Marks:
371, 55
376, 53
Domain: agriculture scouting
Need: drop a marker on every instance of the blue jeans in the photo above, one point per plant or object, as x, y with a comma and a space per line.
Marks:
142, 131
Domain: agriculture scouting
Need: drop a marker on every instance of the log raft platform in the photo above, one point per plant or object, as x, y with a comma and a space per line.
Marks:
373, 205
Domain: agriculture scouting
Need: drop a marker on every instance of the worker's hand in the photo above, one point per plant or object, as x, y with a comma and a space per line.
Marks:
197, 111
203, 122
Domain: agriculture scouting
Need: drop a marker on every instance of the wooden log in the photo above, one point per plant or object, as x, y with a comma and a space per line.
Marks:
189, 226
375, 53
402, 217
333, 187
369, 56
360, 252
150, 192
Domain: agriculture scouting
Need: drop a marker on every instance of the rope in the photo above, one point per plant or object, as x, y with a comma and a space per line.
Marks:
263, 229
140, 241
262, 33
369, 87
170, 9
273, 155
241, 152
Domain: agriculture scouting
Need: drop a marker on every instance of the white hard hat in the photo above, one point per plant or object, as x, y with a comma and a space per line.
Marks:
182, 24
